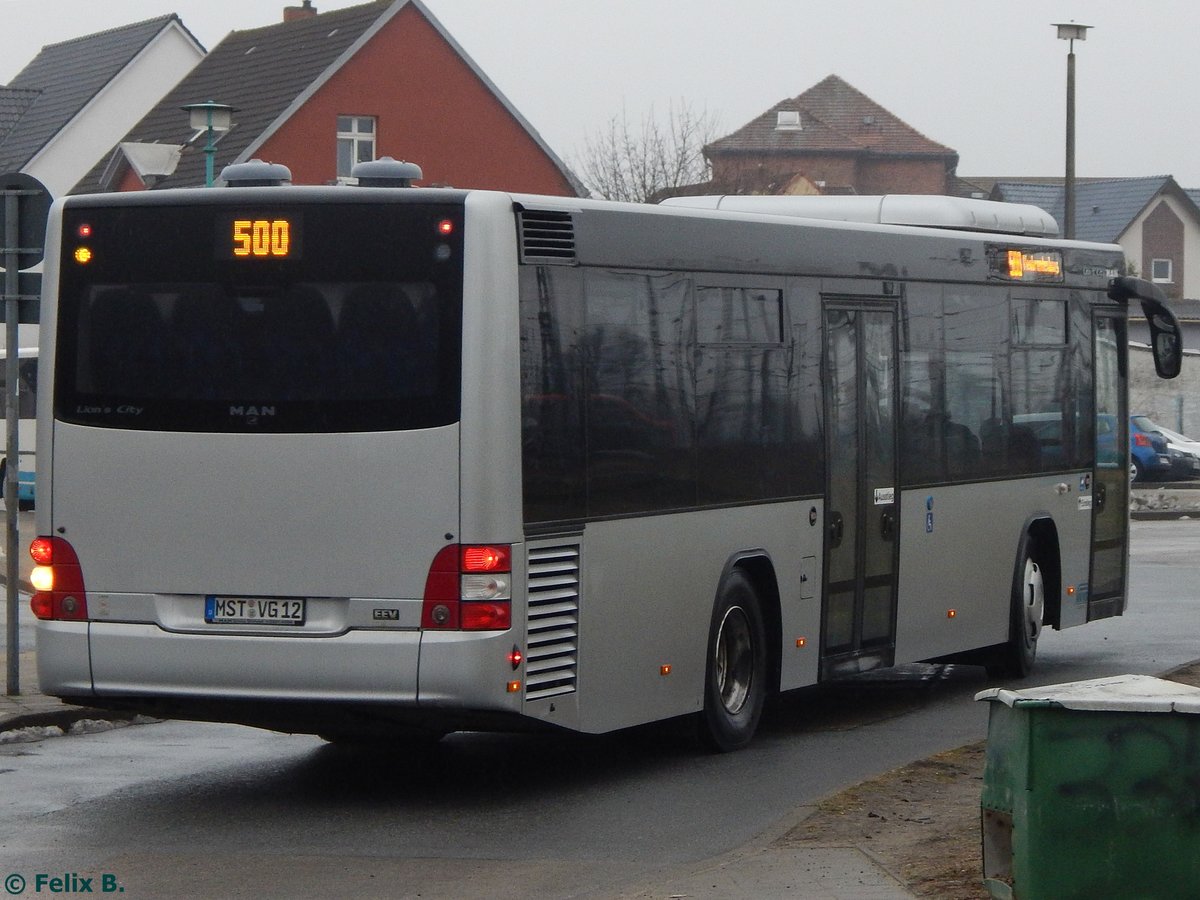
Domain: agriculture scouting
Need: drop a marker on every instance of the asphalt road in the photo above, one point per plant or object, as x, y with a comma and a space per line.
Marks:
177, 809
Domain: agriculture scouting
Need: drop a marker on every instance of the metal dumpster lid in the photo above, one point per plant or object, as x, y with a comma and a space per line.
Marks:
1120, 693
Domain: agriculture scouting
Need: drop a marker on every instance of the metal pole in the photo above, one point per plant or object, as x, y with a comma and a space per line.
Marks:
1069, 184
12, 465
210, 149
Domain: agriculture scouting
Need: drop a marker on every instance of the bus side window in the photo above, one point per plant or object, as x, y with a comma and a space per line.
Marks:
27, 389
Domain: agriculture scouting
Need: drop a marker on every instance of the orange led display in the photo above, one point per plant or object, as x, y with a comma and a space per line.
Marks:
262, 238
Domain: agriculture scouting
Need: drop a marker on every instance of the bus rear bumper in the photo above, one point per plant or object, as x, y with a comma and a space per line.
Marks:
63, 665
357, 666
358, 681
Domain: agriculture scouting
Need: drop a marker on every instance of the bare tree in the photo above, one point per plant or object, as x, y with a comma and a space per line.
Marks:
635, 162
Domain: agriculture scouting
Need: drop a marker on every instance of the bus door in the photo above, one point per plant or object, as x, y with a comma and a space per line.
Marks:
1110, 476
858, 615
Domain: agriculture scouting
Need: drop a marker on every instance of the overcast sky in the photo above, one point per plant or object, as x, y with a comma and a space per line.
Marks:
983, 77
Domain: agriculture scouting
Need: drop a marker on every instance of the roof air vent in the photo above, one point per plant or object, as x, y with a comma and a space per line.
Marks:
787, 120
256, 173
386, 172
547, 236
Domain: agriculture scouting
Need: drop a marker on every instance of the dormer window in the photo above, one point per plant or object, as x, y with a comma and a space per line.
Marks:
787, 120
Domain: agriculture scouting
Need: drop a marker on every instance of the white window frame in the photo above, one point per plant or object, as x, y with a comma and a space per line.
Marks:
357, 137
1154, 264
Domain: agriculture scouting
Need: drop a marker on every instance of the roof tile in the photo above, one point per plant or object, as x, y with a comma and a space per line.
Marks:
1103, 208
834, 117
67, 76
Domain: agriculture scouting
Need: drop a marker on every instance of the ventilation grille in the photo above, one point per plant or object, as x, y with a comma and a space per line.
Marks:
552, 652
547, 236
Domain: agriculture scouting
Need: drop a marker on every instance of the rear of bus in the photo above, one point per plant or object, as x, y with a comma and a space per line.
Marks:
251, 434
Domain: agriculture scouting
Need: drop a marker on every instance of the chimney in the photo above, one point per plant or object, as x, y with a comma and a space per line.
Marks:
293, 13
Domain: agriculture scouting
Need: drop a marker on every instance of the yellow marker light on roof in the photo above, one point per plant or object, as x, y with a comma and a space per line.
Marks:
83, 255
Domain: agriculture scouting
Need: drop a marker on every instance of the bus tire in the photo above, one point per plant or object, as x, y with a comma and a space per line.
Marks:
735, 679
1027, 611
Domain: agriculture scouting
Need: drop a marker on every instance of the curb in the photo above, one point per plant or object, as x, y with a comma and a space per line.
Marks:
63, 718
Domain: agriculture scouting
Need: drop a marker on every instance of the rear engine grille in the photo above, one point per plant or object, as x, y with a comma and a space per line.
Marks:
552, 654
547, 236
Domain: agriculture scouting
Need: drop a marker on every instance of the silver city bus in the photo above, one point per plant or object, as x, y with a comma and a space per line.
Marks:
370, 460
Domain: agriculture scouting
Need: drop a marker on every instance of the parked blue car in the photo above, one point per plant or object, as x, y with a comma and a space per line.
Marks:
1148, 453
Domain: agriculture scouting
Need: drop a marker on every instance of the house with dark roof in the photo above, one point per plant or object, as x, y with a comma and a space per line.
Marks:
320, 91
62, 112
831, 139
1155, 220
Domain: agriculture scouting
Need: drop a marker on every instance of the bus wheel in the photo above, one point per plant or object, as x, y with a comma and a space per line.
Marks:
1028, 609
735, 682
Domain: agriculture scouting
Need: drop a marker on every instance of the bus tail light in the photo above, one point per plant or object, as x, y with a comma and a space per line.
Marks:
469, 588
58, 580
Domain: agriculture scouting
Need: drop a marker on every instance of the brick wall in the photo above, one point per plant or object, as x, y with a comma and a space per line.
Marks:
766, 172
1162, 238
903, 176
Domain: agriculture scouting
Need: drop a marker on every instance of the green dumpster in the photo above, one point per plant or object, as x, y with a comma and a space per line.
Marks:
1092, 790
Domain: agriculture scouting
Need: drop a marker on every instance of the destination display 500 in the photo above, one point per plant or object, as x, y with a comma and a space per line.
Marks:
254, 236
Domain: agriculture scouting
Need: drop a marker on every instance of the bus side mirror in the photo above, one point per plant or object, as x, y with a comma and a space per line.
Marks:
1166, 341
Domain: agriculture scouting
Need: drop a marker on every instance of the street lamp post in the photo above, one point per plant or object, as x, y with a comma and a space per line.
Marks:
1069, 31
210, 117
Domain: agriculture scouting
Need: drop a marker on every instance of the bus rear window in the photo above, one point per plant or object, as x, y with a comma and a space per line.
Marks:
301, 346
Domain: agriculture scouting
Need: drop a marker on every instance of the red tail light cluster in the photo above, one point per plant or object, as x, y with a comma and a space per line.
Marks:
58, 580
469, 588
1142, 440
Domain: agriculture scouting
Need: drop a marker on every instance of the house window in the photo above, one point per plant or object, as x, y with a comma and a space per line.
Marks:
355, 142
1160, 271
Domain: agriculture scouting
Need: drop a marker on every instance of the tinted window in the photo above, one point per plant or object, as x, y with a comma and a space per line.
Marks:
359, 332
639, 403
992, 386
624, 411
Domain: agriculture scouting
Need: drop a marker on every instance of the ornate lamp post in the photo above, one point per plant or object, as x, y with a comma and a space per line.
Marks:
210, 117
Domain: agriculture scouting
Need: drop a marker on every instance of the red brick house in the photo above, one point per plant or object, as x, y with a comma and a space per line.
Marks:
318, 92
830, 139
